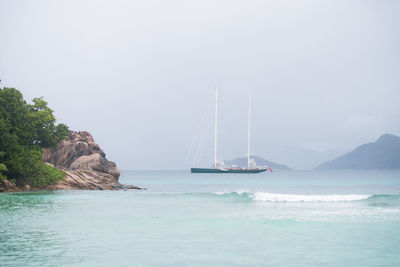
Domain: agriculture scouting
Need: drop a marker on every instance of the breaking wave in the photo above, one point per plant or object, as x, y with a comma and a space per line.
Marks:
247, 196
274, 197
261, 196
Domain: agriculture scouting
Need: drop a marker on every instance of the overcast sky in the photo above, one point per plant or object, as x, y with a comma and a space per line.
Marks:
139, 75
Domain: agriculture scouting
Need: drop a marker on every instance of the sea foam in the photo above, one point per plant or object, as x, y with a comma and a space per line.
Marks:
273, 197
263, 196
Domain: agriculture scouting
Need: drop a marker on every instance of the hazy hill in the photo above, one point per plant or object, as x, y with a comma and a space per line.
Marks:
242, 162
382, 154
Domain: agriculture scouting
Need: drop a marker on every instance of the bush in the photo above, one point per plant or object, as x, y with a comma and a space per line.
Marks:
24, 130
27, 167
3, 167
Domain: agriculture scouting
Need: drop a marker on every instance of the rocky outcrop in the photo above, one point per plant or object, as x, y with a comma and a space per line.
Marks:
7, 186
84, 163
80, 152
88, 180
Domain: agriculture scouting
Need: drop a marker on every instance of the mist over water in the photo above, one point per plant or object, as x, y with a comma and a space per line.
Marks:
140, 77
138, 74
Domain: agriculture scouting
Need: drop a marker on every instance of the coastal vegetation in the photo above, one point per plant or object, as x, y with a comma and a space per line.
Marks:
25, 129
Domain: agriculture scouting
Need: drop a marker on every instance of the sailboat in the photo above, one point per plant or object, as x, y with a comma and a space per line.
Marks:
219, 165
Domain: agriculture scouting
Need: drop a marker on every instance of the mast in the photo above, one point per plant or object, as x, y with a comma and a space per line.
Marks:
248, 132
216, 126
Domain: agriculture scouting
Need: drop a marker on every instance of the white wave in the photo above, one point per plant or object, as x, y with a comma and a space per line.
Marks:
263, 196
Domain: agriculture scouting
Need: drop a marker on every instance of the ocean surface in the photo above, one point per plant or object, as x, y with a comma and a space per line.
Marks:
287, 218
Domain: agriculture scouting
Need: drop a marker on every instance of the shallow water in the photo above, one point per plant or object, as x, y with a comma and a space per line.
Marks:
346, 218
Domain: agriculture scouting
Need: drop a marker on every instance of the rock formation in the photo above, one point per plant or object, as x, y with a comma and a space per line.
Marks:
84, 164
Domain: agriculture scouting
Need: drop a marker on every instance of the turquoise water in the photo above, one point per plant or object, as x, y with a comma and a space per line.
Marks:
348, 218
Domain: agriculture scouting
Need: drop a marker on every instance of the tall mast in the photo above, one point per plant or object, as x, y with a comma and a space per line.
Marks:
216, 126
248, 132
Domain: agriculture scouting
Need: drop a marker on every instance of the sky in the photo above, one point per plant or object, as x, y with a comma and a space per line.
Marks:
140, 75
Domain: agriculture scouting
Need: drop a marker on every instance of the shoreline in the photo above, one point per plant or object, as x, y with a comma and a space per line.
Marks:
8, 187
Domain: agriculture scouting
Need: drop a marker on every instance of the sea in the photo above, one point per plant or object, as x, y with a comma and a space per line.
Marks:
283, 218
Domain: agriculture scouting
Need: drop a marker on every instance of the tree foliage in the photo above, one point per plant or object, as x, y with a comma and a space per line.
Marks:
3, 167
24, 130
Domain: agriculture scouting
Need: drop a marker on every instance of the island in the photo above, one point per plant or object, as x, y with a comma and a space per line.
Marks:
383, 154
242, 162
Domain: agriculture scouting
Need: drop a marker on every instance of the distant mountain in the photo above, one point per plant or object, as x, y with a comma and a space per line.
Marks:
382, 154
242, 162
299, 158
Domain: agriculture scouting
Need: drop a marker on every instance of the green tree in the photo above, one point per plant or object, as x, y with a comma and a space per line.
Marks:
3, 167
24, 130
46, 133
